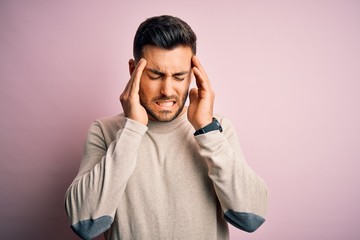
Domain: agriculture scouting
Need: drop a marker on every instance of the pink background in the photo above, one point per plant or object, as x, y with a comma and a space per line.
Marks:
287, 73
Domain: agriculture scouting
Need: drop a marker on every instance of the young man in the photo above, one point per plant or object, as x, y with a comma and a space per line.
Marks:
161, 170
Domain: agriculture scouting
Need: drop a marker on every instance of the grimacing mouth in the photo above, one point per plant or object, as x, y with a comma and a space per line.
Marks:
165, 103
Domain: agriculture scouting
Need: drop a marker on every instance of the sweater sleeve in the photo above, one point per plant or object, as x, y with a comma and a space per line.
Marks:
93, 197
241, 192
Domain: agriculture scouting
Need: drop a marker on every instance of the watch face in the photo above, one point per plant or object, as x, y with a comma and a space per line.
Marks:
217, 124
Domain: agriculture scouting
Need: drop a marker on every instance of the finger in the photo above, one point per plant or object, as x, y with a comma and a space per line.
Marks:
196, 63
135, 78
132, 66
202, 80
133, 86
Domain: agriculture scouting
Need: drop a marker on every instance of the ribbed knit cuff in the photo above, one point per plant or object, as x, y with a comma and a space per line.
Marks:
135, 126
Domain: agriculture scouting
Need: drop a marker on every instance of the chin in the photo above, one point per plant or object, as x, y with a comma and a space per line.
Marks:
164, 116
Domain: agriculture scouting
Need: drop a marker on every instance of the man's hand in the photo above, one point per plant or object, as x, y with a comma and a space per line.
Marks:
200, 111
130, 99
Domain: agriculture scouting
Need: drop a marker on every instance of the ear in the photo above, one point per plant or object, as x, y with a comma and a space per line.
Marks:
132, 66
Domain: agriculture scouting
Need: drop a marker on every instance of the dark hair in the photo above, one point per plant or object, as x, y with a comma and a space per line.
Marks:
164, 31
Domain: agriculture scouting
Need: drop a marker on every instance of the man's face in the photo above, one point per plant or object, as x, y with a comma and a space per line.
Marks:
165, 82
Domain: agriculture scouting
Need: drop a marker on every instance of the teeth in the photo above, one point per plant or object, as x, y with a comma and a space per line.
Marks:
166, 104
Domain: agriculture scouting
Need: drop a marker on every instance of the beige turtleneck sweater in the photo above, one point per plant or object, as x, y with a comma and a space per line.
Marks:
161, 182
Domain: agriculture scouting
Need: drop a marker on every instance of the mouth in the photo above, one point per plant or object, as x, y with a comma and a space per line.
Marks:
165, 104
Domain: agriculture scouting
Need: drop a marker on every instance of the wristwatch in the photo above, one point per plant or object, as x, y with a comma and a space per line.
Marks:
214, 125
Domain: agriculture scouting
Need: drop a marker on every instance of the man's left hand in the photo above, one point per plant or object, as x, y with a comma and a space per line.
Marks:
200, 111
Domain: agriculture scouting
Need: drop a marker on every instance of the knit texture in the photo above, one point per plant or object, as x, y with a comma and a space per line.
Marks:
161, 182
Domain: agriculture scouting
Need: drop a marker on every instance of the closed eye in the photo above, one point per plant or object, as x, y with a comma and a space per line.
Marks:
154, 74
154, 77
179, 78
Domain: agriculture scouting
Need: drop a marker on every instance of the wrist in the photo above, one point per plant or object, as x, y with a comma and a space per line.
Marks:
212, 126
203, 123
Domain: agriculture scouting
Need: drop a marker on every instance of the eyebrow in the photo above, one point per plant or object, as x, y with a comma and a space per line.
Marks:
163, 74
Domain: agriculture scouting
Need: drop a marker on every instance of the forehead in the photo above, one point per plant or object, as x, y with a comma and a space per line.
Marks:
168, 61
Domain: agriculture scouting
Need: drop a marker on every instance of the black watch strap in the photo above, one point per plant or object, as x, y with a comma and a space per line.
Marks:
214, 125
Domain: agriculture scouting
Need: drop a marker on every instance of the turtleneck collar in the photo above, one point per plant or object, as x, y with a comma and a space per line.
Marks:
165, 127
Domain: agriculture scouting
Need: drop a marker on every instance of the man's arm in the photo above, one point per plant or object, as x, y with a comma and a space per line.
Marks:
92, 198
242, 194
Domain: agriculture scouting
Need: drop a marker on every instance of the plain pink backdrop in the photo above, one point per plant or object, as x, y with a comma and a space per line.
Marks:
287, 73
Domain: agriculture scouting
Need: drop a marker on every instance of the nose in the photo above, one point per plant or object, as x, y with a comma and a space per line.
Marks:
166, 86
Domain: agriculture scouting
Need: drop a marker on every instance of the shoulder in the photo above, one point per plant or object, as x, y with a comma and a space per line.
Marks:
107, 127
113, 122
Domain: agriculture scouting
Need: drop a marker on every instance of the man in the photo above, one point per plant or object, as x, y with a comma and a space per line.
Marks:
161, 170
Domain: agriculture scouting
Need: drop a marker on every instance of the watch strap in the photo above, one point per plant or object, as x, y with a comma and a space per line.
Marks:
214, 125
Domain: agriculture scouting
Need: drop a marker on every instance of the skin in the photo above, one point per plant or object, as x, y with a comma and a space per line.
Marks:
159, 85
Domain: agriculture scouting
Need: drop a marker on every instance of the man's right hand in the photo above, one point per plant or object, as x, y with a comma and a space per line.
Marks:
130, 99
